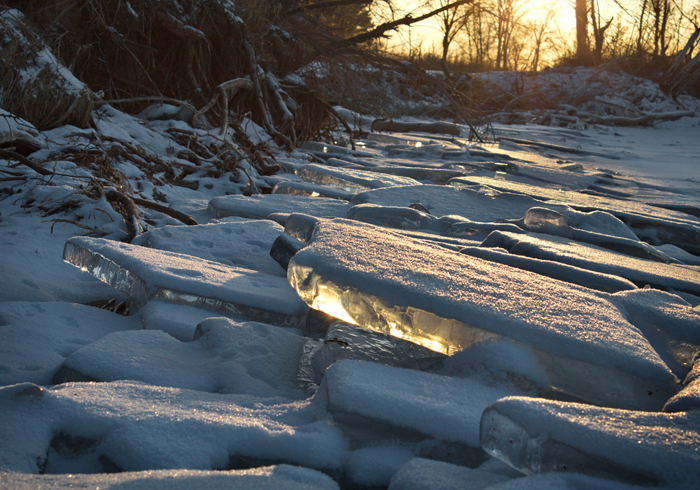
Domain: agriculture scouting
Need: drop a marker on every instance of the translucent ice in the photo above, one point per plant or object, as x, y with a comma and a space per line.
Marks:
435, 175
446, 301
349, 179
539, 436
347, 341
391, 217
146, 274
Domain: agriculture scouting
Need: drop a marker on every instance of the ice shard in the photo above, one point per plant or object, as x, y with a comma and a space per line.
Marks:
540, 436
689, 397
146, 274
447, 301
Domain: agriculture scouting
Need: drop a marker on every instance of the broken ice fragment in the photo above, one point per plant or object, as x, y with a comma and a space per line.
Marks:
563, 272
284, 248
689, 397
539, 436
435, 175
447, 302
374, 403
146, 274
558, 249
349, 179
347, 341
391, 217
240, 244
261, 206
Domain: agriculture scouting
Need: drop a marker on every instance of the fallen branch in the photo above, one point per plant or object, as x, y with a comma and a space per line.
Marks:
131, 217
342, 120
184, 218
405, 127
634, 121
12, 155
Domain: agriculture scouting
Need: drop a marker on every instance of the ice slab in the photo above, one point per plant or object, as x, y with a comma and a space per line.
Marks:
540, 436
563, 272
347, 341
228, 357
161, 428
243, 244
447, 302
281, 477
261, 206
292, 188
37, 337
438, 176
425, 474
392, 217
653, 224
559, 249
484, 206
180, 321
146, 274
351, 180
375, 403
689, 397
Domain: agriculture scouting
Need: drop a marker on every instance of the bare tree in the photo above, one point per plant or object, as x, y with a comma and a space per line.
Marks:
582, 49
451, 22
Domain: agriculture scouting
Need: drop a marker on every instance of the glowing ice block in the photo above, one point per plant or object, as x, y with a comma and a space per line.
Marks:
146, 274
351, 180
447, 301
541, 436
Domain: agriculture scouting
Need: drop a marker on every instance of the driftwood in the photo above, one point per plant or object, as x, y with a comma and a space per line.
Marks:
404, 127
634, 121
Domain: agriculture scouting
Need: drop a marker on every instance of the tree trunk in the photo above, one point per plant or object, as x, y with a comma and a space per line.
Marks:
581, 29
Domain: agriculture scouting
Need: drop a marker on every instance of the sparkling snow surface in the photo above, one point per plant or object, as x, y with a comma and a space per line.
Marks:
561, 281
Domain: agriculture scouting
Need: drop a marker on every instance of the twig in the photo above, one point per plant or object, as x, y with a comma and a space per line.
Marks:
92, 229
340, 118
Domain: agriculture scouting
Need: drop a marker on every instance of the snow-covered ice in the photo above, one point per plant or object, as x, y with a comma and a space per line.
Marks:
448, 301
559, 265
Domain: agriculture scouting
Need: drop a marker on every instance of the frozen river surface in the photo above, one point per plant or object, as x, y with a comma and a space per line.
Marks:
418, 313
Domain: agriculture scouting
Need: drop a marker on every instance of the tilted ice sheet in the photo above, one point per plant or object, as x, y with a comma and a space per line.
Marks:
243, 244
538, 436
37, 337
281, 477
349, 179
147, 274
558, 249
238, 358
261, 206
447, 301
140, 427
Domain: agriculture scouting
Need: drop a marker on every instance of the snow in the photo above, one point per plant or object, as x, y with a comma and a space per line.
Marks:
221, 365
